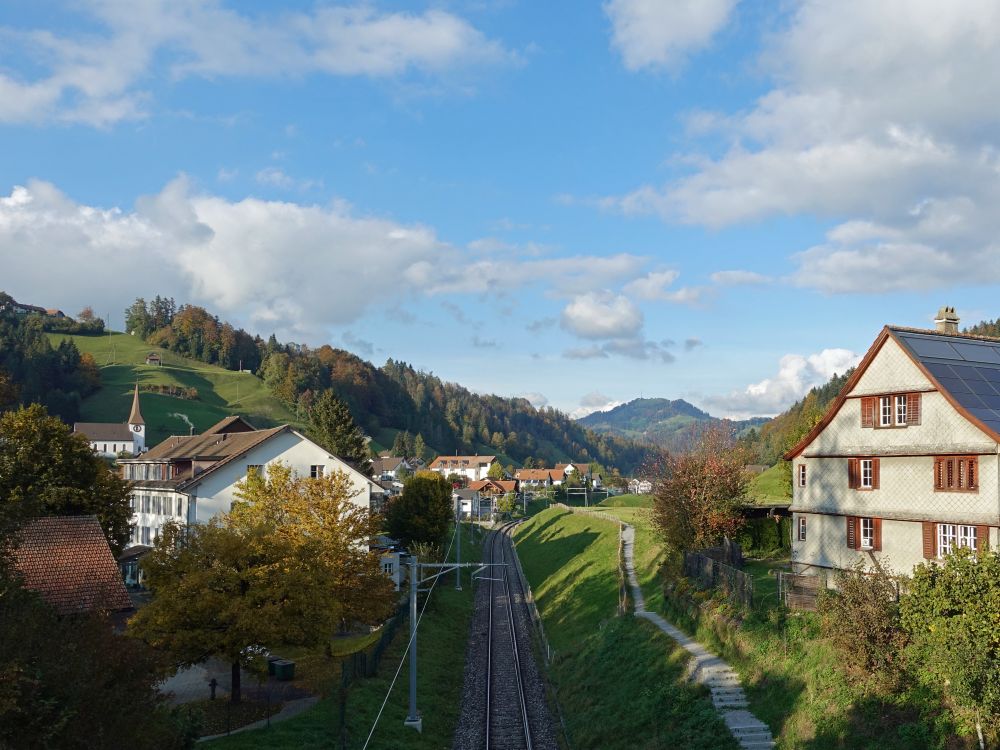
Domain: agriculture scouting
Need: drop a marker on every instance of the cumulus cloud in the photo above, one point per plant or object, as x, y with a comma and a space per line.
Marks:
538, 400
880, 117
358, 344
602, 315
95, 78
594, 402
739, 278
656, 34
653, 286
692, 344
797, 373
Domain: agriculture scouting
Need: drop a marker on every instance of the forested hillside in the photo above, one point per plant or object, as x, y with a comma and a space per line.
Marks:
671, 425
384, 400
33, 371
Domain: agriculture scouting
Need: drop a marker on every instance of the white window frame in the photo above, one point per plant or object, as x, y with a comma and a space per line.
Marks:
901, 410
866, 470
947, 538
802, 475
867, 533
802, 528
885, 411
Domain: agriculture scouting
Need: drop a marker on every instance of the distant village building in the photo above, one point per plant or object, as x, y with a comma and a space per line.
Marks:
153, 359
191, 479
67, 560
640, 486
534, 477
473, 468
109, 440
390, 468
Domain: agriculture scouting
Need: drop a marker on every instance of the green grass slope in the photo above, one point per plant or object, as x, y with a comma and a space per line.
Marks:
221, 392
771, 487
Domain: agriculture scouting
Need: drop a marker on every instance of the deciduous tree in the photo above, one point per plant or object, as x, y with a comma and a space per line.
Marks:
496, 471
698, 497
423, 512
47, 470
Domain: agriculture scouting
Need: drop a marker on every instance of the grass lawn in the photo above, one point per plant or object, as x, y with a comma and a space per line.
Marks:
441, 653
221, 392
627, 501
771, 487
619, 680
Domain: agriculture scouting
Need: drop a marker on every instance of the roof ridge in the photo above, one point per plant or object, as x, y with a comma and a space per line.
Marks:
959, 335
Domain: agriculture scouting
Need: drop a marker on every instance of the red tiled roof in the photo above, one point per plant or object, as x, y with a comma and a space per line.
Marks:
68, 562
461, 462
532, 474
503, 485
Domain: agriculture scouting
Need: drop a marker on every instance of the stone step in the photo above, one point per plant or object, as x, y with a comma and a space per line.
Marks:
744, 731
733, 692
755, 737
757, 745
722, 703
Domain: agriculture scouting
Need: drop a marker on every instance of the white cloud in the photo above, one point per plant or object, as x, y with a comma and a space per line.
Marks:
95, 78
602, 315
658, 34
653, 287
365, 347
880, 116
538, 400
797, 374
692, 344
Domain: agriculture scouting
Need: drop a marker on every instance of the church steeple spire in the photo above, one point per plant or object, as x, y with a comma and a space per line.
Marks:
136, 416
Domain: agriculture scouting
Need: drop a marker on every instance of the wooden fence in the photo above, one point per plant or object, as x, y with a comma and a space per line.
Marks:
799, 591
712, 574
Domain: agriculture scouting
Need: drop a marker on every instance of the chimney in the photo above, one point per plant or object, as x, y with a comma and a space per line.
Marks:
946, 320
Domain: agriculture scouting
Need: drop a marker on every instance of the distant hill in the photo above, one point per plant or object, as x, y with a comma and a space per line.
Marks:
121, 361
673, 425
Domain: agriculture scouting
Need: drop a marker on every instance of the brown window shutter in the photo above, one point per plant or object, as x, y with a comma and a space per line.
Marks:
874, 473
877, 541
938, 474
912, 408
972, 473
982, 537
930, 540
868, 411
852, 532
852, 473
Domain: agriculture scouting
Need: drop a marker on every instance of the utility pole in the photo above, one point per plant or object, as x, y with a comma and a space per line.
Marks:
413, 718
458, 549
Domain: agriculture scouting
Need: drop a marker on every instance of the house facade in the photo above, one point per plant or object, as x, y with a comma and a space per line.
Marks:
904, 467
534, 477
110, 439
193, 479
473, 468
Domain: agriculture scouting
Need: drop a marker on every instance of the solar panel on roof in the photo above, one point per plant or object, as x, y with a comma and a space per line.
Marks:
990, 373
980, 387
932, 348
966, 372
983, 413
973, 403
954, 386
991, 401
977, 352
940, 370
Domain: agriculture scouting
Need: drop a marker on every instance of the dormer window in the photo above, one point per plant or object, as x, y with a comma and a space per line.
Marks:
890, 410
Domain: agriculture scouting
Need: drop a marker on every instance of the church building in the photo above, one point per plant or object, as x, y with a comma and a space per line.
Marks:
108, 440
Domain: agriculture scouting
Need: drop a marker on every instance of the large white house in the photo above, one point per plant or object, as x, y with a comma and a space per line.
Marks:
110, 439
904, 466
474, 468
191, 479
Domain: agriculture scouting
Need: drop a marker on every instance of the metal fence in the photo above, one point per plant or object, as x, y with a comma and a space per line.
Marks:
712, 574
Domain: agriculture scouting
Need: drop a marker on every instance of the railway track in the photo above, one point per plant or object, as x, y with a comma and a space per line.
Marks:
504, 705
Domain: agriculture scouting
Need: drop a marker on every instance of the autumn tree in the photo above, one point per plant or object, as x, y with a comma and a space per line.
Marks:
288, 566
423, 512
86, 315
419, 447
496, 471
950, 613
332, 426
697, 499
46, 470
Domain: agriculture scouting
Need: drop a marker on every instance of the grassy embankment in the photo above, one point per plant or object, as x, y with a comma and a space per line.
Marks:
441, 653
619, 680
221, 392
790, 672
771, 487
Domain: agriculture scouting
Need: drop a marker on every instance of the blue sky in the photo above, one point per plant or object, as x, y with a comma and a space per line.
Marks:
580, 202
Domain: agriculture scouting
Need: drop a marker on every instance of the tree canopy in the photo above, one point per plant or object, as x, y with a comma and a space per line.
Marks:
46, 470
332, 426
423, 513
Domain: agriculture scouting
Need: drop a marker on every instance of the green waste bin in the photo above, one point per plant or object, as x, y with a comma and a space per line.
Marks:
284, 669
270, 664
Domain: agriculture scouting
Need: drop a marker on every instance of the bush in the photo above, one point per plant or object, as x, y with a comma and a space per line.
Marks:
766, 536
862, 621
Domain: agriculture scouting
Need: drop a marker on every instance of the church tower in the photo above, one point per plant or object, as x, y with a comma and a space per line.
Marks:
136, 424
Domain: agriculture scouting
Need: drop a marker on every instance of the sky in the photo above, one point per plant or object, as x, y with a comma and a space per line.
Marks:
576, 202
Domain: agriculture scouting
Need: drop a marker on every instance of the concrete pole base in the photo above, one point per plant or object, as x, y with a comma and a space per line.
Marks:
417, 723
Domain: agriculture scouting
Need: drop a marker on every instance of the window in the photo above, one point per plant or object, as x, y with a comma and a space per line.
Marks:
802, 475
180, 508
864, 533
802, 528
901, 410
387, 567
952, 536
316, 471
863, 473
885, 411
956, 474
145, 534
890, 410
145, 504
867, 533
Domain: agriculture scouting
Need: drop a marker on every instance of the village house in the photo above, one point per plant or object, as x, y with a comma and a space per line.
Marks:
473, 468
534, 477
109, 440
192, 479
67, 560
905, 464
390, 468
640, 486
492, 490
